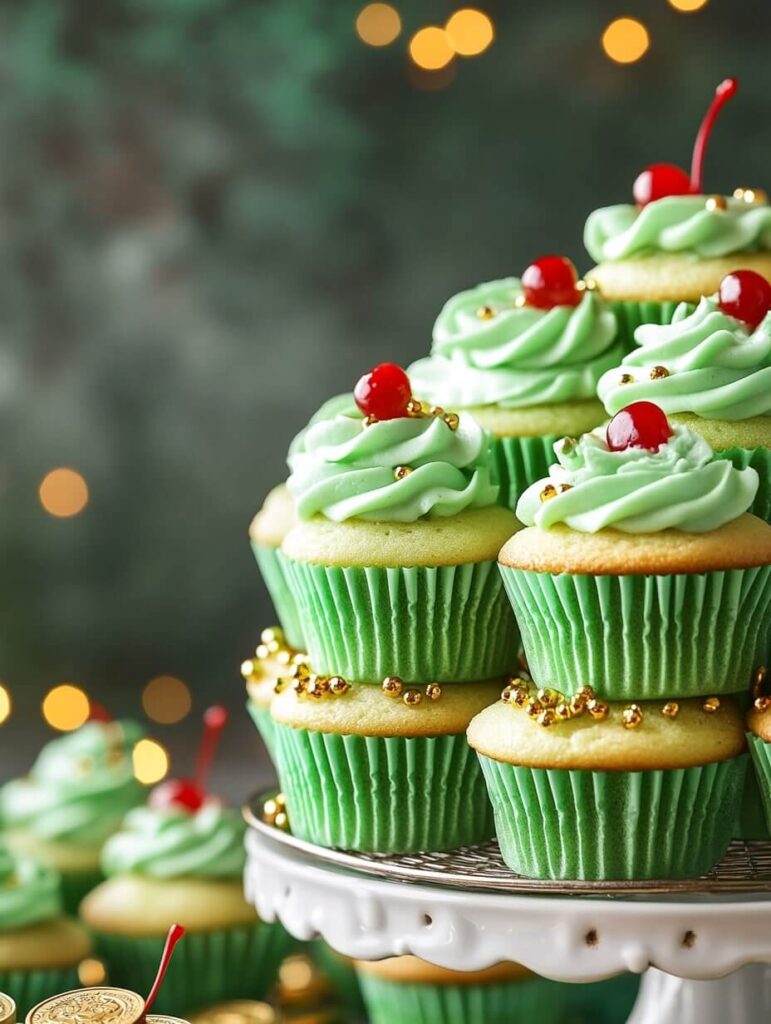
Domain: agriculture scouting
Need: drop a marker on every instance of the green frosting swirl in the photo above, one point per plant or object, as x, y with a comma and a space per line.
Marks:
639, 491
80, 787
29, 892
677, 224
173, 843
717, 367
343, 470
520, 356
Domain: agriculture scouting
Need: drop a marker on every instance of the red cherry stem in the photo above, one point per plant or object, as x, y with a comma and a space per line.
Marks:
175, 934
214, 721
723, 94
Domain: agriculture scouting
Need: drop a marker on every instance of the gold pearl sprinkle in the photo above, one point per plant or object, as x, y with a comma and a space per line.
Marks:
590, 284
338, 686
302, 670
437, 411
715, 203
762, 703
658, 372
711, 705
632, 716
751, 195
274, 634
298, 686
433, 691
369, 421
262, 652
284, 656
577, 705
564, 488
562, 712
670, 709
272, 808
758, 679
247, 669
452, 419
485, 312
521, 695
586, 692
548, 492
520, 302
626, 378
392, 686
598, 709
282, 821
414, 408
506, 694
412, 697
317, 687
402, 471
549, 698
546, 718
532, 707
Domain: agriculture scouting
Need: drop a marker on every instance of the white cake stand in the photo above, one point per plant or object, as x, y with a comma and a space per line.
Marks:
704, 945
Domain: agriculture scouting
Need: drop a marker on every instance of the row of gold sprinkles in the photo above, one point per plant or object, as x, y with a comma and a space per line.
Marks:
548, 707
422, 410
490, 312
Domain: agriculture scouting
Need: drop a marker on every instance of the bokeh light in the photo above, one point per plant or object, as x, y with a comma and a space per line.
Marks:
470, 31
151, 762
430, 48
625, 40
63, 492
66, 707
378, 24
166, 700
5, 704
91, 972
688, 6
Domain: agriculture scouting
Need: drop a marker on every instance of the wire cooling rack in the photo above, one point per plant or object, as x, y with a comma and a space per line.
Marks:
745, 869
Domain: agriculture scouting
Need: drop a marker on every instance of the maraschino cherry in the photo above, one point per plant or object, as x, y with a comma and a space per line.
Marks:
661, 180
175, 934
190, 794
551, 281
745, 295
384, 392
639, 425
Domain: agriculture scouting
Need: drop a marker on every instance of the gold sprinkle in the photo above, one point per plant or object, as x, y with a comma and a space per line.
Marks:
247, 669
414, 408
758, 679
274, 634
577, 704
284, 656
549, 698
412, 697
598, 709
568, 444
392, 686
437, 411
338, 686
317, 687
580, 286
590, 284
262, 652
298, 686
506, 694
658, 372
565, 487
751, 195
521, 695
532, 707
762, 703
452, 419
272, 808
586, 692
485, 312
520, 302
626, 378
302, 670
433, 691
548, 492
280, 685
368, 421
402, 471
715, 203
711, 705
562, 712
282, 821
546, 718
632, 716
670, 709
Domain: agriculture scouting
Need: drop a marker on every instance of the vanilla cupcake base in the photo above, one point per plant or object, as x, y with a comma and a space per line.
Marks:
39, 959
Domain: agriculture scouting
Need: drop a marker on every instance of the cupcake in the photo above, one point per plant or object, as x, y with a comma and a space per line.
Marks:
392, 565
759, 739
74, 798
602, 1002
405, 988
40, 948
340, 972
594, 790
710, 369
262, 674
266, 534
523, 357
381, 768
638, 573
675, 244
180, 859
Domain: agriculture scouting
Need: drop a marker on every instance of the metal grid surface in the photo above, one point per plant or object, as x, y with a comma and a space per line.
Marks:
745, 869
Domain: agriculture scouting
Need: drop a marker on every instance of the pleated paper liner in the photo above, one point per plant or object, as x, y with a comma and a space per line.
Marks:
520, 462
208, 967
272, 566
382, 794
75, 886
761, 761
564, 824
341, 975
27, 988
601, 1002
641, 637
265, 725
760, 460
530, 1001
446, 624
752, 812
631, 315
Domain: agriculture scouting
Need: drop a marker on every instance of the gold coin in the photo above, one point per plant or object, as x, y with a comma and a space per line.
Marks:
238, 1011
162, 1018
104, 1005
7, 1009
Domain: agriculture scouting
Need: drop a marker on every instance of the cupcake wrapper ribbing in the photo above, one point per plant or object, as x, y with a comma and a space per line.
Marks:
643, 637
752, 813
28, 988
272, 566
75, 886
520, 462
265, 726
761, 762
760, 460
384, 795
449, 623
564, 824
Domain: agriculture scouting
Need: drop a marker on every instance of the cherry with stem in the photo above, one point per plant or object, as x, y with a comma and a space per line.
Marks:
190, 794
175, 934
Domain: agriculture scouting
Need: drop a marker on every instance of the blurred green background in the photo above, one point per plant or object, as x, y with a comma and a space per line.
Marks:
216, 213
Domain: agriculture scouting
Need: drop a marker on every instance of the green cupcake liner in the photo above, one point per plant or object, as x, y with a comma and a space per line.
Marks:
208, 967
602, 1002
752, 814
272, 566
449, 623
507, 1002
341, 976
760, 460
643, 637
631, 315
760, 751
382, 794
563, 824
266, 727
520, 462
28, 988
75, 886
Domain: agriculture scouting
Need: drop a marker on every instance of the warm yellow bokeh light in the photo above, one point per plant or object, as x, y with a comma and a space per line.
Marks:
625, 40
166, 699
688, 6
378, 24
63, 492
430, 48
470, 31
91, 972
151, 762
5, 704
66, 707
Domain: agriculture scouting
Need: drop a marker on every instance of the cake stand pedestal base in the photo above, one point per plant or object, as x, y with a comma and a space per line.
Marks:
743, 997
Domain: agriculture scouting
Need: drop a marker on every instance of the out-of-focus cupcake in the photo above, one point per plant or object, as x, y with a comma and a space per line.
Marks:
40, 948
523, 357
638, 573
266, 534
262, 673
408, 989
710, 369
74, 798
587, 790
392, 565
